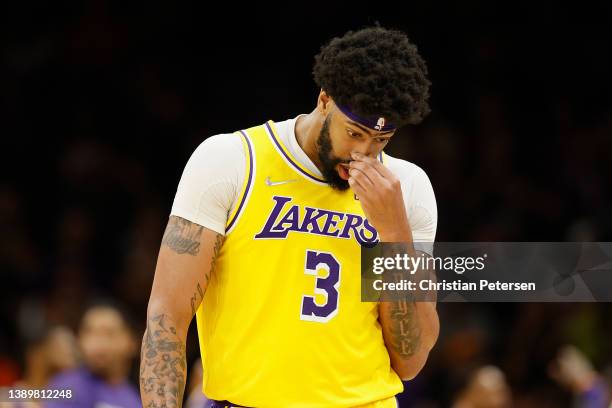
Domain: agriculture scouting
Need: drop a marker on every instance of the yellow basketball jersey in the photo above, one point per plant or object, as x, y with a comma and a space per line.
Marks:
282, 323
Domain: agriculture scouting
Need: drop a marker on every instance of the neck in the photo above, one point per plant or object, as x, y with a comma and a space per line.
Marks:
115, 375
307, 130
118, 376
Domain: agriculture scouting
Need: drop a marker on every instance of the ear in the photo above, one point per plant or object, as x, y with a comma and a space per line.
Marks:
324, 103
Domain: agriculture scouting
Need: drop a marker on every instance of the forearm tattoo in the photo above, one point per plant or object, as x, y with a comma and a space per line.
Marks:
162, 359
403, 329
163, 366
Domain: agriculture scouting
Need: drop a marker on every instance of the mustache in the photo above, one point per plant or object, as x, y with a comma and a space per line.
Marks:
342, 161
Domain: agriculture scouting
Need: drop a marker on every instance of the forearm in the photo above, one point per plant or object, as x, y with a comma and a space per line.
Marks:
185, 263
410, 328
163, 366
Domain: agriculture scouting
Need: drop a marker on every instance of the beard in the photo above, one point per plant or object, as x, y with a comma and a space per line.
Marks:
329, 161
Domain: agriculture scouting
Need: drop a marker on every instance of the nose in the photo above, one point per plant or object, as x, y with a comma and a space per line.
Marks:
365, 147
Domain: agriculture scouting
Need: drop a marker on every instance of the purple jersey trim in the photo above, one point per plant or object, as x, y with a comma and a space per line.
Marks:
249, 182
224, 404
294, 164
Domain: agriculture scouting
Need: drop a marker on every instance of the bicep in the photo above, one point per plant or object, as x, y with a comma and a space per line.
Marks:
185, 263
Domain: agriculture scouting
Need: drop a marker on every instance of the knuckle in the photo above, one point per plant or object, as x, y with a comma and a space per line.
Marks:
389, 187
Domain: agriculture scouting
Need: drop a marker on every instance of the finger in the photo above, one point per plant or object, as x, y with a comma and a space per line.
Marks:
358, 189
366, 168
380, 168
362, 179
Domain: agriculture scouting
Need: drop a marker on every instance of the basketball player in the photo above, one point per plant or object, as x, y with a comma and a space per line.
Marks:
263, 246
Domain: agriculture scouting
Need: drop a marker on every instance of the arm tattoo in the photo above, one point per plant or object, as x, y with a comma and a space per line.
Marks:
182, 236
162, 359
403, 328
213, 262
198, 296
162, 364
194, 299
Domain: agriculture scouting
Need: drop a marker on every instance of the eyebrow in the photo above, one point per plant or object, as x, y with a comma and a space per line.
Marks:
366, 130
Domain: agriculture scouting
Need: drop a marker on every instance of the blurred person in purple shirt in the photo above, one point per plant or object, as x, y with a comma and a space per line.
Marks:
47, 352
573, 370
108, 347
486, 388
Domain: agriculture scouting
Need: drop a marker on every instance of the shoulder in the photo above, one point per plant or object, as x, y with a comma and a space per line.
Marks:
77, 376
218, 159
211, 181
411, 176
78, 380
419, 199
218, 147
132, 394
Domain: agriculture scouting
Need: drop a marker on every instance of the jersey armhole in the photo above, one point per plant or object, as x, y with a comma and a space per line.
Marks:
247, 184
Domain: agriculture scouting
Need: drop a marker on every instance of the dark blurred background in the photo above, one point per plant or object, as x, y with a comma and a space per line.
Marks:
102, 102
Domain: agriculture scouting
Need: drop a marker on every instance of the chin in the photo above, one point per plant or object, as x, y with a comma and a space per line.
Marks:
99, 368
332, 177
340, 184
101, 372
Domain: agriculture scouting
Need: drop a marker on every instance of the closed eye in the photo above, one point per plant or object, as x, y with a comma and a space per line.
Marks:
357, 135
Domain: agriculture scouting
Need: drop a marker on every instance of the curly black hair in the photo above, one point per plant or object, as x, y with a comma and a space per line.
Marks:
375, 72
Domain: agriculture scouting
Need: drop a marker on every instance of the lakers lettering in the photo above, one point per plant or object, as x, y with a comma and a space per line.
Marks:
285, 218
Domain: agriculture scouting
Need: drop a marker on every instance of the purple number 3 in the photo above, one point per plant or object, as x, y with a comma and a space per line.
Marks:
327, 286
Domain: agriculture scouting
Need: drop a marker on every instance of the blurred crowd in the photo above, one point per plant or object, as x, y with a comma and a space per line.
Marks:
102, 103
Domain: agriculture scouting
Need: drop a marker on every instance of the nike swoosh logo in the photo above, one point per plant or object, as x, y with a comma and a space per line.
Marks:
278, 183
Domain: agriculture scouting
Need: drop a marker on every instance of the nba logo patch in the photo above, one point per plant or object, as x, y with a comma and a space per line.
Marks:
356, 198
380, 124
